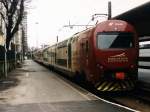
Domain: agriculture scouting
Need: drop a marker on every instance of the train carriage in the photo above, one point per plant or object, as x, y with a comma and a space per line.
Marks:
45, 56
105, 56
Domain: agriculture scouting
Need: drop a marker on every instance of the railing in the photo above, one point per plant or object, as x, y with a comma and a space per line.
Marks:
144, 58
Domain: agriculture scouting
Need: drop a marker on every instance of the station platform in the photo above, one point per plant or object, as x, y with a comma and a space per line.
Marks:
34, 88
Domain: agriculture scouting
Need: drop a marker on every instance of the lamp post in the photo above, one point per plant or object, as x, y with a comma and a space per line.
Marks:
5, 61
15, 52
109, 10
56, 49
108, 15
37, 43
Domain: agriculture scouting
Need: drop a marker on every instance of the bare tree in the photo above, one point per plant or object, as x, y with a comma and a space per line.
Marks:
12, 16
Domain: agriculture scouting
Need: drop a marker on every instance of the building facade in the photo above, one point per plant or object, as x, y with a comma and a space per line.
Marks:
24, 34
2, 26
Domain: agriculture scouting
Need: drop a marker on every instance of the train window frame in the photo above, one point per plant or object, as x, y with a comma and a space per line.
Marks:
133, 40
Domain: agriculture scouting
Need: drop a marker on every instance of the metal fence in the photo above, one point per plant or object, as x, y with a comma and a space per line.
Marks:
10, 61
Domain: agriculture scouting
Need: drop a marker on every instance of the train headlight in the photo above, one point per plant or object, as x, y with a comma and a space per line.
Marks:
132, 66
100, 66
120, 75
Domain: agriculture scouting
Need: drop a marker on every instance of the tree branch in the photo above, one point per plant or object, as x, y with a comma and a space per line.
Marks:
20, 17
13, 7
4, 18
5, 3
12, 17
2, 15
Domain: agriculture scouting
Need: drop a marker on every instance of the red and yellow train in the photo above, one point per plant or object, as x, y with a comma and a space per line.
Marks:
106, 56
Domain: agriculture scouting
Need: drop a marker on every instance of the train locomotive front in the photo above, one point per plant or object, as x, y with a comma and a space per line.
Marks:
115, 51
105, 56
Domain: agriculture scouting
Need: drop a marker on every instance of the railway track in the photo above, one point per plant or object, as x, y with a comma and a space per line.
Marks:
142, 92
138, 99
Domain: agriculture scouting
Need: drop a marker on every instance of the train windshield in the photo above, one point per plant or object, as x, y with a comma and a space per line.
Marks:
108, 40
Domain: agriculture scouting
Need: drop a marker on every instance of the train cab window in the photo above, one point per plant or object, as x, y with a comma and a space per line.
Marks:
108, 40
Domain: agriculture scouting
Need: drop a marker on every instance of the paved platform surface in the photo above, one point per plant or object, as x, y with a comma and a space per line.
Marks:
34, 88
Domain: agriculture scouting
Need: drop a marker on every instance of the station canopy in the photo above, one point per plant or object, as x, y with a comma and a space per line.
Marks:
140, 18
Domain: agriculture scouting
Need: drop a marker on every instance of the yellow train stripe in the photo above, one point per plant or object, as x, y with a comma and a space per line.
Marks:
117, 87
105, 88
123, 86
120, 86
102, 86
108, 86
98, 84
132, 84
113, 87
105, 85
129, 84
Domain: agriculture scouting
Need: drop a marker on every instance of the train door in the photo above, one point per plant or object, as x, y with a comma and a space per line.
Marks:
87, 54
55, 54
69, 55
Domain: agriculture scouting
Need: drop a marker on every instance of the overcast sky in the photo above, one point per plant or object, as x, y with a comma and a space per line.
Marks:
46, 18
